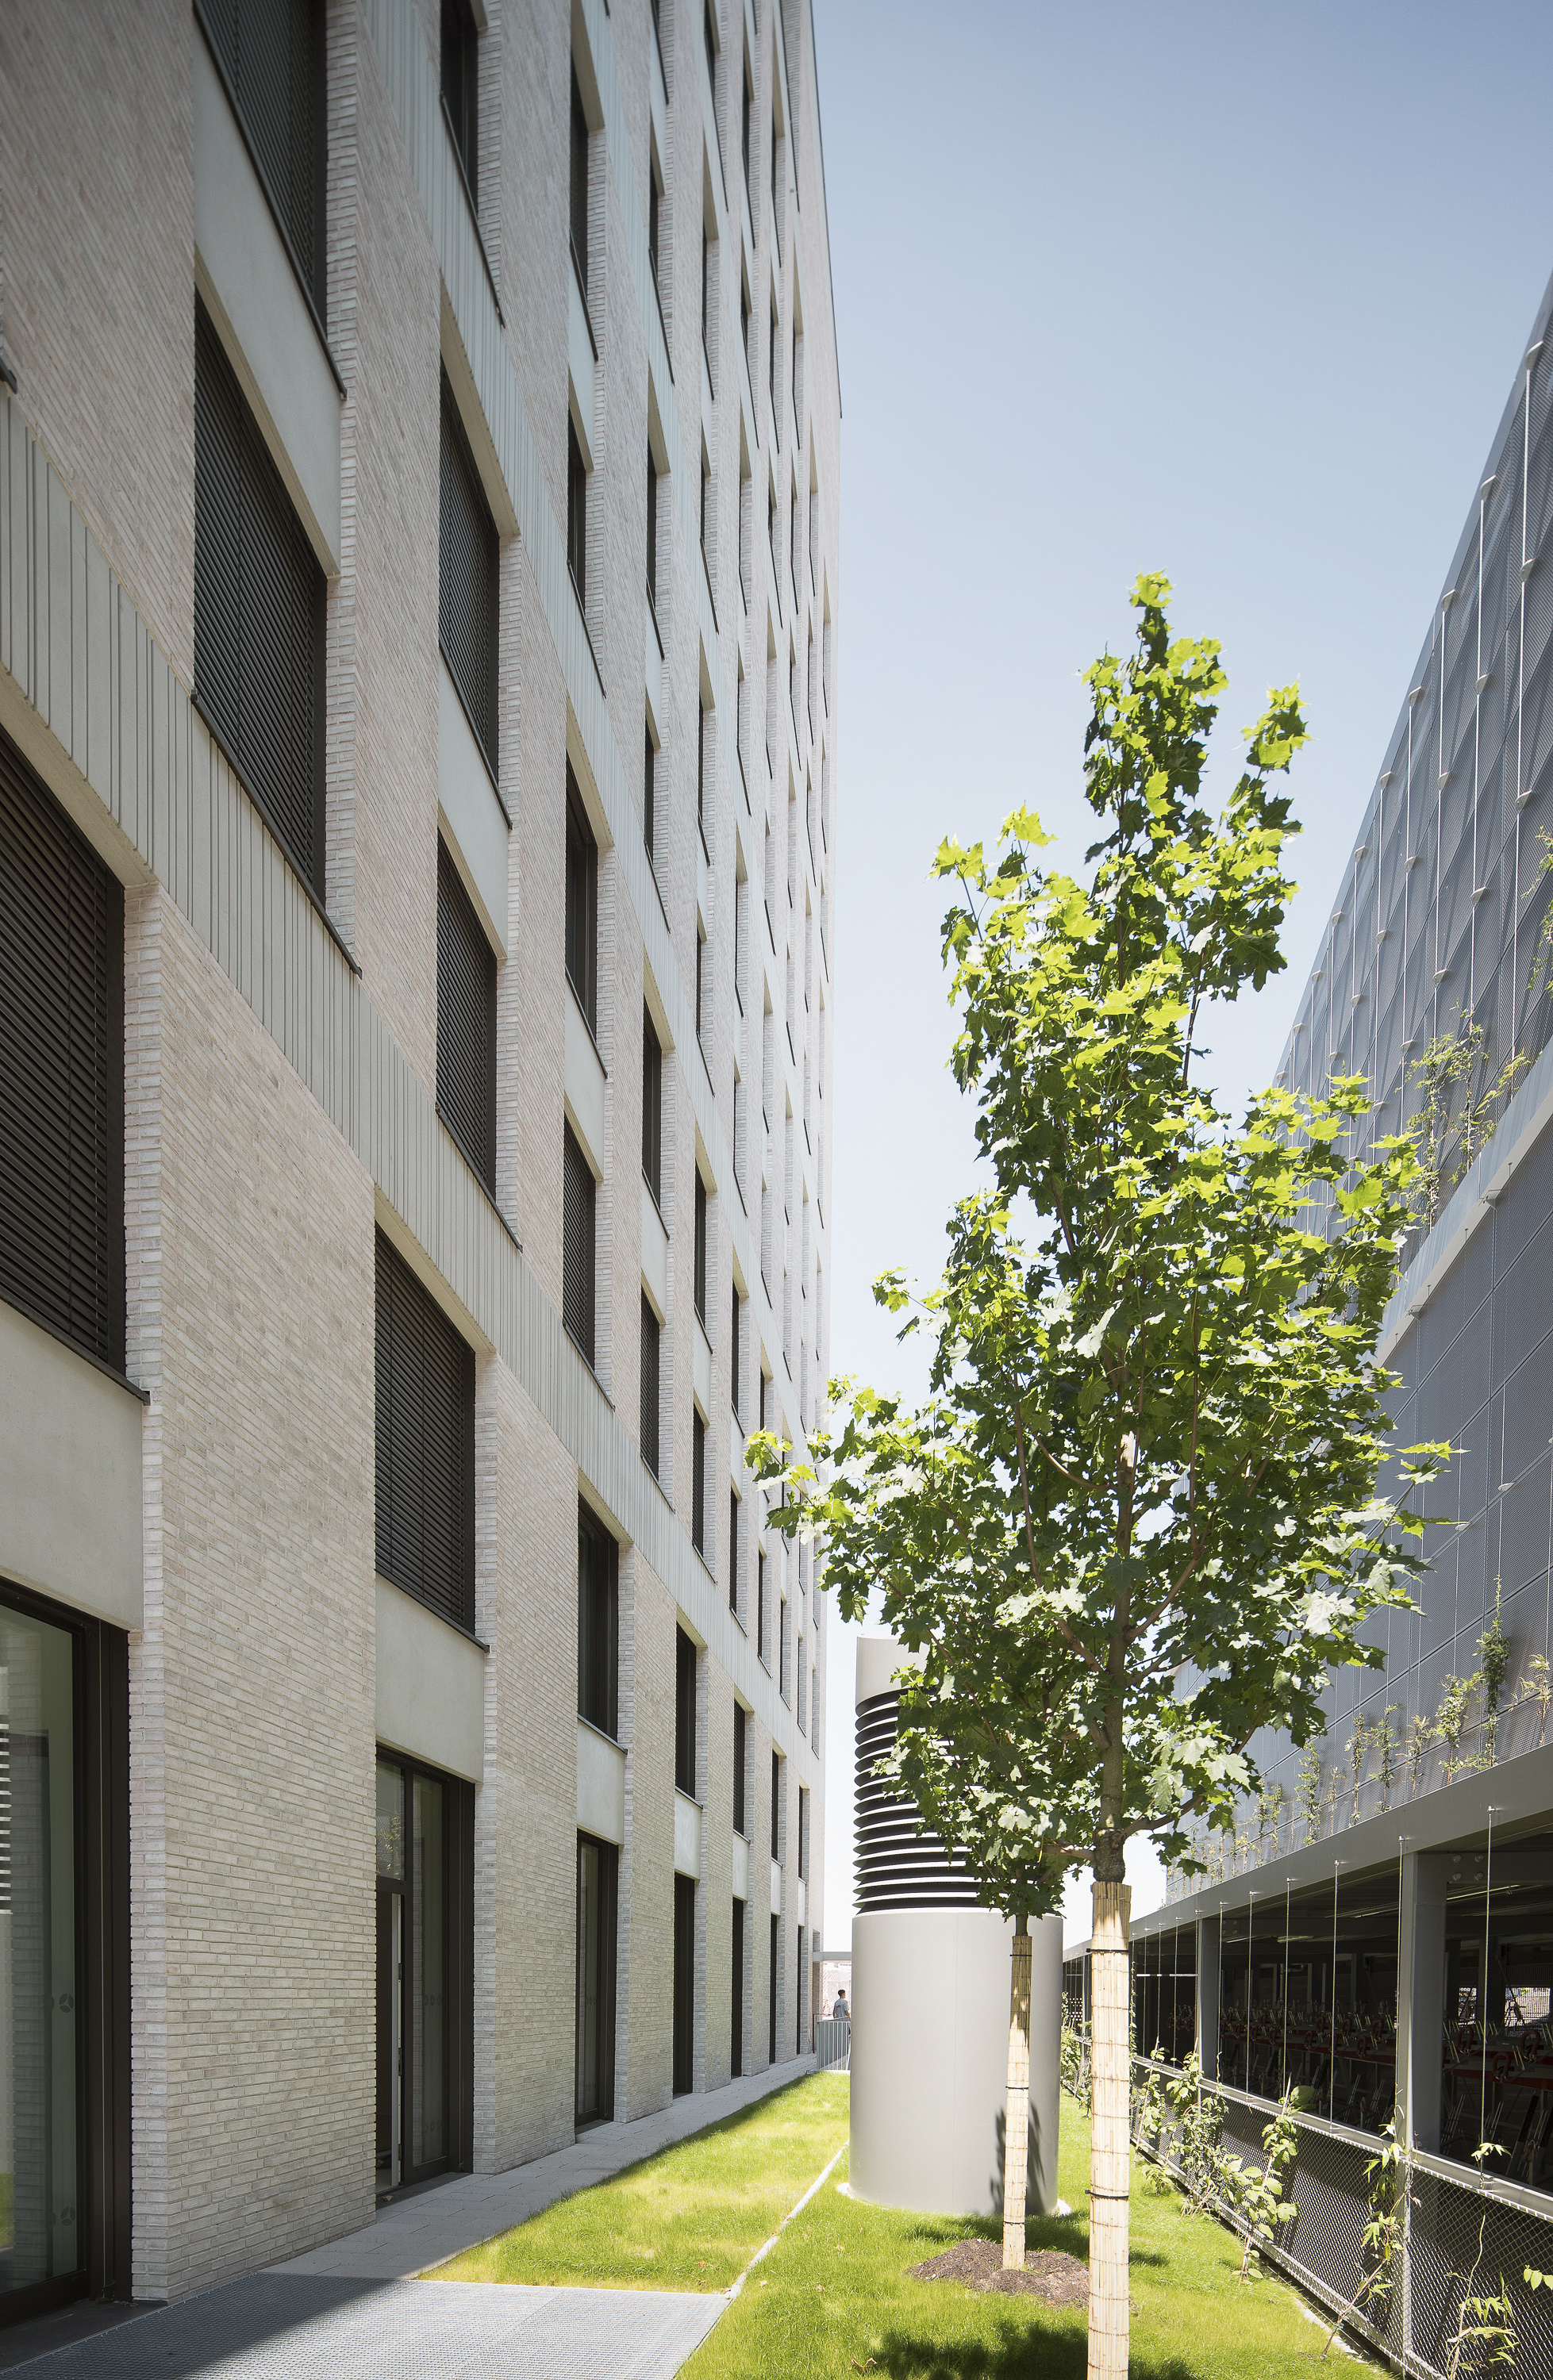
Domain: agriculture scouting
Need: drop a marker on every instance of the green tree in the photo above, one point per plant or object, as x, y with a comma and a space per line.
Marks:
1136, 1518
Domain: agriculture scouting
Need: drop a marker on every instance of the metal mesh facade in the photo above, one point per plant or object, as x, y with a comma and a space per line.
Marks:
1461, 2240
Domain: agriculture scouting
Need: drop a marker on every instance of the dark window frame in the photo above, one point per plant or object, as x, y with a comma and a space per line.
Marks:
469, 582
465, 1021
460, 88
457, 1851
577, 516
701, 1245
601, 2110
598, 1625
698, 1483
577, 144
686, 1685
579, 1246
649, 1425
652, 1107
741, 1767
684, 1984
581, 902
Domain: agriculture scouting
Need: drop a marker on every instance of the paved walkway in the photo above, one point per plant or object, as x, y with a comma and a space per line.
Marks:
355, 2311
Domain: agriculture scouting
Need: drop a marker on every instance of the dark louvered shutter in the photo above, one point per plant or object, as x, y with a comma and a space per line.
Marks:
577, 1251
468, 578
271, 53
578, 165
259, 603
425, 1445
460, 87
61, 1071
466, 1050
698, 1483
650, 1373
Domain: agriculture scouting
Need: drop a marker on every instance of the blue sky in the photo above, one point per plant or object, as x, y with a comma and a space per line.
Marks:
1233, 292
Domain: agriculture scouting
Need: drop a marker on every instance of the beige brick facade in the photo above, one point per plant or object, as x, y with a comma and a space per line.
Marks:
280, 1106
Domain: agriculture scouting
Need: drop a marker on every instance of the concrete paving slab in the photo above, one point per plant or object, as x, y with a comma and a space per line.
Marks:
292, 2326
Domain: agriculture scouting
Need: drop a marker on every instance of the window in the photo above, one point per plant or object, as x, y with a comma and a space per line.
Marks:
792, 542
771, 523
771, 370
701, 773
776, 208
745, 321
466, 1044
652, 1106
271, 55
460, 87
581, 904
654, 222
802, 1677
736, 1344
776, 1805
649, 794
776, 1925
740, 1728
763, 1387
577, 515
425, 1969
652, 534
258, 612
736, 2033
802, 1832
578, 1196
701, 1251
734, 1509
785, 1675
701, 972
759, 1605
684, 1714
598, 1627
706, 300
425, 1445
746, 101
579, 183
61, 1071
705, 492
598, 1901
652, 1360
698, 1484
468, 581
709, 33
684, 1983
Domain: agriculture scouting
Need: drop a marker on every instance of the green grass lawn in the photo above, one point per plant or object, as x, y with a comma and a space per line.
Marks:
689, 2218
834, 2295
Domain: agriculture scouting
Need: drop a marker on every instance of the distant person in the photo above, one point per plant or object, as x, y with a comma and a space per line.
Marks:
840, 2009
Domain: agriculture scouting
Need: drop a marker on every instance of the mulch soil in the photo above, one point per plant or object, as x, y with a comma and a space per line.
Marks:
1055, 2278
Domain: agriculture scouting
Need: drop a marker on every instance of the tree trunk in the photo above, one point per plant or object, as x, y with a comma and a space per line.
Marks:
1109, 2156
1016, 2122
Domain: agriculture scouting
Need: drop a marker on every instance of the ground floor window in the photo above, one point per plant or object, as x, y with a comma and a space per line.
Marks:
597, 1870
63, 1958
425, 1922
736, 2033
776, 1970
684, 1982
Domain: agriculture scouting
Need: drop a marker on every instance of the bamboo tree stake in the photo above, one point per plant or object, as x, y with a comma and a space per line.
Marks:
1111, 2149
1016, 2124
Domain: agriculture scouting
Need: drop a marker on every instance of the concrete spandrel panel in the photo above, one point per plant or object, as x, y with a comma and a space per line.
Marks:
472, 816
431, 1686
741, 1868
601, 1785
584, 1084
70, 1504
687, 1835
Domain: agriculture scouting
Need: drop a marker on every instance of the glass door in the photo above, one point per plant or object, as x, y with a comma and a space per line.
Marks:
424, 1921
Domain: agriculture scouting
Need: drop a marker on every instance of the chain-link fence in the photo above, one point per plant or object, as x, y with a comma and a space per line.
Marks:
1457, 2239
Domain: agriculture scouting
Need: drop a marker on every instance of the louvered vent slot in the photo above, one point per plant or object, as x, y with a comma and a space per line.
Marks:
272, 58
899, 1865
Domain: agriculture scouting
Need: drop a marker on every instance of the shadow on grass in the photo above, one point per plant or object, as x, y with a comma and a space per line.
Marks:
1018, 2352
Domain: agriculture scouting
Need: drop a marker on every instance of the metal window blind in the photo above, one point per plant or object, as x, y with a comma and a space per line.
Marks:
651, 1105
581, 904
426, 1444
597, 1624
684, 1713
466, 1045
461, 86
61, 1070
578, 181
468, 579
577, 1254
698, 1483
272, 54
739, 1724
651, 1376
259, 602
699, 1277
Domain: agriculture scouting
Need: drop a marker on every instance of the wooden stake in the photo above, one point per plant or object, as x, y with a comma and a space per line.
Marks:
1110, 2154
1016, 2122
